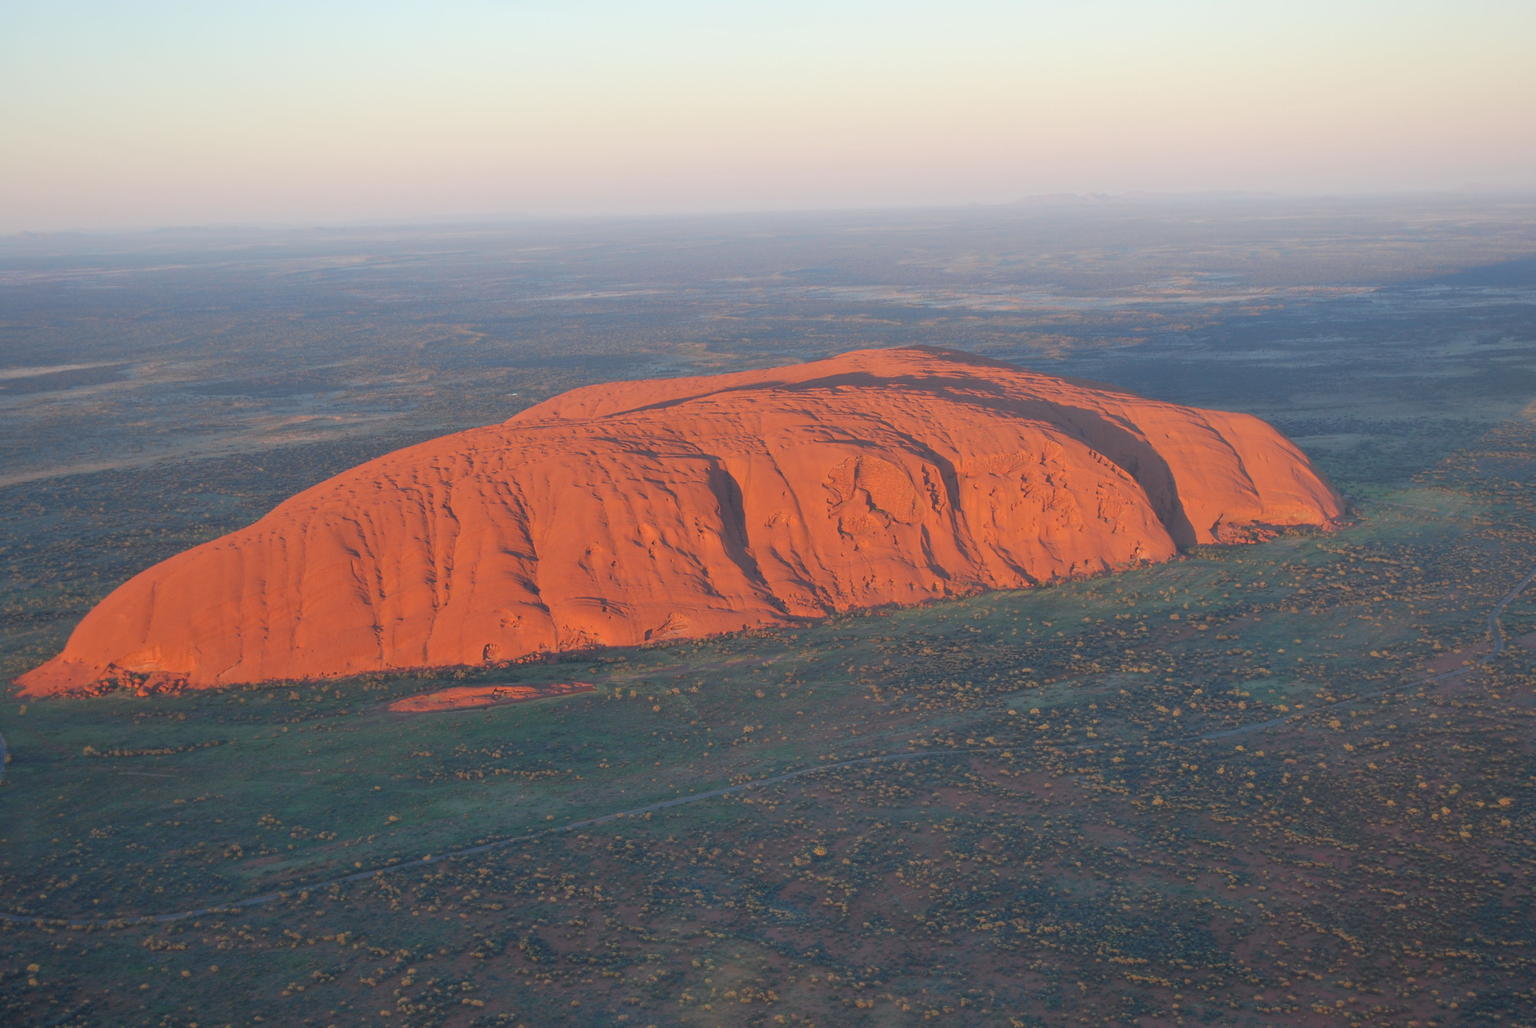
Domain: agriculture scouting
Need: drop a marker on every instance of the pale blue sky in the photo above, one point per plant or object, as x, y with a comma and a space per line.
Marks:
143, 112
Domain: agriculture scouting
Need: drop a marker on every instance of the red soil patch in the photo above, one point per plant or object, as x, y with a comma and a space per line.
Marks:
462, 697
1471, 656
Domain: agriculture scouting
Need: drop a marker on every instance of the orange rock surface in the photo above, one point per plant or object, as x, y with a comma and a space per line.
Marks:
639, 511
464, 697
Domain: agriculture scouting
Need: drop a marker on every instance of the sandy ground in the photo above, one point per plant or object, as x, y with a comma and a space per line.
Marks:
463, 697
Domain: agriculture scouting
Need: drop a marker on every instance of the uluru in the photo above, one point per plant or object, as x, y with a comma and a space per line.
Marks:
633, 512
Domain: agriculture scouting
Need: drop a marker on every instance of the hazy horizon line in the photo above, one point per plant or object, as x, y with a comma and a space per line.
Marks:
486, 219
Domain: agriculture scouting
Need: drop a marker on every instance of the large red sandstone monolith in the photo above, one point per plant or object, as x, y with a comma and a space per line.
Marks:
639, 511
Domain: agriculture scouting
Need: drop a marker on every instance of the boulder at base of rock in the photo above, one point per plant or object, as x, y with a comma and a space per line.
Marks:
634, 512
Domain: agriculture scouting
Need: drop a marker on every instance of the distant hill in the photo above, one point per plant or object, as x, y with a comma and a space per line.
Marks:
640, 511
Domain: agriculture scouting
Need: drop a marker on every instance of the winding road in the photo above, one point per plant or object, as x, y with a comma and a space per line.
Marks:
1493, 624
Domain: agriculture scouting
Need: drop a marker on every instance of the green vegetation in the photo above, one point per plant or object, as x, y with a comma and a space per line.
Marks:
1108, 833
1286, 782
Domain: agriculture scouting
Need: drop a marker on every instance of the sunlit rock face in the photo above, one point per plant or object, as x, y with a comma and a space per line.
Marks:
639, 511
